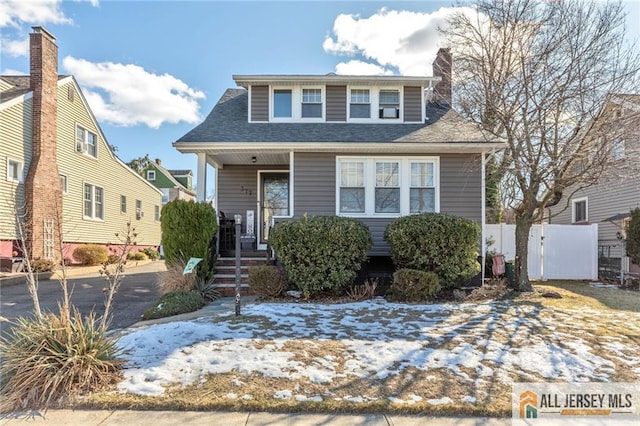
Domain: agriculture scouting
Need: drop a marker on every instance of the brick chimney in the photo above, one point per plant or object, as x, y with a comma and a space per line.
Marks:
43, 193
442, 68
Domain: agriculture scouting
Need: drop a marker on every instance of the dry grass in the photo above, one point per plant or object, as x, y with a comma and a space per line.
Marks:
586, 313
174, 279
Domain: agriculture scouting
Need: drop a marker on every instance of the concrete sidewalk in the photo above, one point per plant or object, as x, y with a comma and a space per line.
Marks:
170, 418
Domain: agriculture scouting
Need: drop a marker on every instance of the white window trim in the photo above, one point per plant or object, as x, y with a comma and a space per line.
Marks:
371, 103
93, 203
272, 104
85, 150
400, 103
151, 173
20, 178
370, 181
323, 104
156, 213
574, 201
65, 189
126, 204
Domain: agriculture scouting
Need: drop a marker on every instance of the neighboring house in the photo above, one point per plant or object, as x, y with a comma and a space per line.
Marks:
609, 202
55, 158
369, 147
174, 184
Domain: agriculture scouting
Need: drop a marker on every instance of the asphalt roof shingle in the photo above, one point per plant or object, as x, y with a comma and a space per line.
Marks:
228, 122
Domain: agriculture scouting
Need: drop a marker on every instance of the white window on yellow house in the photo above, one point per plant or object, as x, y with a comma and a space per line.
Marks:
93, 202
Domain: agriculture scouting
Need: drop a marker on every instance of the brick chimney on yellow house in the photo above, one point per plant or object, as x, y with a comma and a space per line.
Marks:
43, 193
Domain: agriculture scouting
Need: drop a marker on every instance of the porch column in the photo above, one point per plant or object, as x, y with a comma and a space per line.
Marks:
201, 177
483, 209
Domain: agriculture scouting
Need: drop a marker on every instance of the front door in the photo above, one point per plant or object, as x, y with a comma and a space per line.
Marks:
273, 202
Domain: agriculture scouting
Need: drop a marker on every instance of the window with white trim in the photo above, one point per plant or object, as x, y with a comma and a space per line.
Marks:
165, 195
387, 187
352, 187
579, 210
422, 192
282, 107
311, 103
156, 210
360, 104
86, 142
387, 192
389, 104
123, 204
15, 170
151, 175
63, 183
93, 202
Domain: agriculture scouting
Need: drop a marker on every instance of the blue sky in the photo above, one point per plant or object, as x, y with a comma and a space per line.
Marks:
152, 70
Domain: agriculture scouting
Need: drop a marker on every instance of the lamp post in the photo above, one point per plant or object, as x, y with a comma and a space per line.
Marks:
238, 222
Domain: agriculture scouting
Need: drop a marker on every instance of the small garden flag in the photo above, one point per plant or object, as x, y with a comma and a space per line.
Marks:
191, 265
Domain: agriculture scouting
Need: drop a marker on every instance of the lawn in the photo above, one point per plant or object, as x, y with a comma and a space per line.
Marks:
378, 356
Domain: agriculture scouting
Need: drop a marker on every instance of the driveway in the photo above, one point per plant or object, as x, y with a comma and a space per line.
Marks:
137, 293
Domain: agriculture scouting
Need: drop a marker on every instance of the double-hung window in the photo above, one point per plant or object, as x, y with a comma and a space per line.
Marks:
389, 104
93, 202
422, 192
14, 170
360, 104
311, 103
387, 187
352, 187
387, 192
151, 175
282, 107
86, 142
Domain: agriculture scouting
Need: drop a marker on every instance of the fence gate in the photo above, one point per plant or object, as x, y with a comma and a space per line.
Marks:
556, 252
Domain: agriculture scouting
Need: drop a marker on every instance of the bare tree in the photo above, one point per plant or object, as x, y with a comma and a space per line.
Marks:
538, 74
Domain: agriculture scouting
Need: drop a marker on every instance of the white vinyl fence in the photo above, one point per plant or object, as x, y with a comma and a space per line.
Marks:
556, 252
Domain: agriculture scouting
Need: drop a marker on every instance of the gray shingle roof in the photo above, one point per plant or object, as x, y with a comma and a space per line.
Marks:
21, 83
228, 122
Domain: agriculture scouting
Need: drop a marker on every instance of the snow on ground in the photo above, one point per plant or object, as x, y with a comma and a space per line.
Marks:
379, 339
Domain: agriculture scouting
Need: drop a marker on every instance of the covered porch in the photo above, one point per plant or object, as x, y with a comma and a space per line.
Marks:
256, 185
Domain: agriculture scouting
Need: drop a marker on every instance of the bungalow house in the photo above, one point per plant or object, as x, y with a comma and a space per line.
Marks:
55, 162
610, 201
369, 147
174, 184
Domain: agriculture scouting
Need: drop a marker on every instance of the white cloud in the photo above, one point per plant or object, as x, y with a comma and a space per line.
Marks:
11, 71
128, 95
17, 15
356, 67
404, 40
18, 47
15, 12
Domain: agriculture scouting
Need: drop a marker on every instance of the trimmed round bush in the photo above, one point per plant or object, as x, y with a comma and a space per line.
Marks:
187, 230
321, 253
151, 253
410, 285
267, 280
90, 254
174, 303
435, 242
138, 255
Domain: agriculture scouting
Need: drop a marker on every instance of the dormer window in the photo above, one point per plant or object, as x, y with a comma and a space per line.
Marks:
389, 104
282, 103
360, 105
311, 103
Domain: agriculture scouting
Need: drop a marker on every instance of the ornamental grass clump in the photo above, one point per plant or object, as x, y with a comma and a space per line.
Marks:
49, 358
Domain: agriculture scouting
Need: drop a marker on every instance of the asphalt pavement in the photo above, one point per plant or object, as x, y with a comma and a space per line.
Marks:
138, 291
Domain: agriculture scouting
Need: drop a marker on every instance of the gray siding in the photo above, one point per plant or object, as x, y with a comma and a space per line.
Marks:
259, 103
412, 103
315, 184
336, 103
237, 190
315, 190
604, 200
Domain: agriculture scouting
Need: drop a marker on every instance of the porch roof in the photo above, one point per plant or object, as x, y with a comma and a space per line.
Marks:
227, 127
